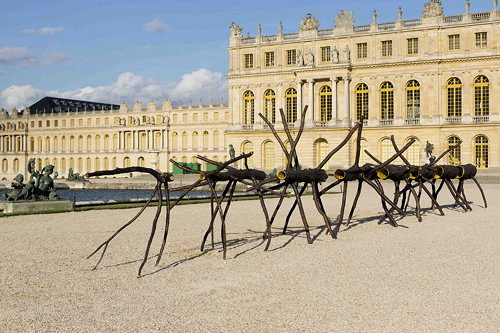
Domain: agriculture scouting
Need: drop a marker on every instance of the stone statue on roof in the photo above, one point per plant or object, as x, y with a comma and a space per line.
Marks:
309, 23
433, 8
344, 19
236, 30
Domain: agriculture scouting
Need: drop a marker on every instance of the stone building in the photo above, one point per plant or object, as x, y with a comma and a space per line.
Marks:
433, 78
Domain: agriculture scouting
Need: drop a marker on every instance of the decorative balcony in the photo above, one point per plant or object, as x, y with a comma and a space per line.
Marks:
481, 119
321, 123
453, 120
412, 121
386, 122
247, 127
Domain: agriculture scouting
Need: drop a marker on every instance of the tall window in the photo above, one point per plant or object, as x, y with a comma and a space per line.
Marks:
128, 140
106, 163
97, 142
412, 46
413, 153
326, 55
126, 162
481, 147
412, 100
97, 164
205, 140
291, 57
16, 165
481, 40
115, 142
269, 59
270, 105
362, 50
387, 48
291, 105
361, 101
363, 158
320, 151
248, 107
249, 60
216, 139
454, 156
175, 138
195, 140
325, 94
47, 144
184, 140
140, 161
89, 143
387, 101
454, 87
268, 155
157, 141
247, 147
453, 42
386, 149
106, 142
80, 144
481, 96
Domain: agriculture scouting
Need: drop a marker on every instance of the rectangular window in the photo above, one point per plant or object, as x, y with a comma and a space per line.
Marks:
64, 123
40, 123
106, 121
89, 122
249, 60
205, 116
481, 40
412, 46
362, 50
98, 121
174, 118
56, 123
32, 124
216, 116
326, 54
269, 59
184, 117
226, 116
80, 122
453, 42
195, 117
48, 123
291, 57
72, 123
387, 48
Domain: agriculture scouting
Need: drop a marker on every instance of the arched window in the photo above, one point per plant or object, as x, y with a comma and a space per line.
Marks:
195, 140
39, 148
55, 164
106, 163
47, 144
288, 147
413, 100
386, 149
413, 153
63, 143
216, 139
454, 156
363, 158
386, 101
72, 163
320, 151
39, 164
115, 142
157, 142
184, 159
5, 165
248, 107
481, 96
270, 105
72, 144
97, 164
63, 164
106, 142
184, 140
205, 140
325, 96
113, 163
80, 165
128, 141
32, 144
454, 87
246, 148
47, 162
97, 143
268, 155
291, 105
140, 161
89, 143
89, 164
126, 162
80, 144
481, 150
18, 144
6, 146
361, 101
174, 140
16, 165
143, 140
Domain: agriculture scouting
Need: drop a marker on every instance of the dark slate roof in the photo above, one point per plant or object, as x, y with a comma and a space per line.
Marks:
59, 105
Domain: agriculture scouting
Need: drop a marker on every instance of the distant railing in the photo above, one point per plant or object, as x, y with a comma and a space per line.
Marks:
412, 121
247, 127
481, 119
386, 122
248, 40
412, 23
321, 124
452, 19
293, 35
291, 125
481, 16
387, 26
270, 38
453, 120
325, 32
361, 28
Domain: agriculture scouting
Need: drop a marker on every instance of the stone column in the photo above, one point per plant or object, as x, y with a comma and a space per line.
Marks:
334, 100
299, 99
310, 111
347, 101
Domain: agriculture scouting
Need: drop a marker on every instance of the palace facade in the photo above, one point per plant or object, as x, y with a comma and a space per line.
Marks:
433, 78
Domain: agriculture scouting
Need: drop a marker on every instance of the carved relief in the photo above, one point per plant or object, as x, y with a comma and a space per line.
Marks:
309, 58
433, 9
309, 23
344, 19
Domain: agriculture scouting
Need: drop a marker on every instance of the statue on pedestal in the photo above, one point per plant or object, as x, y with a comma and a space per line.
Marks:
429, 148
231, 151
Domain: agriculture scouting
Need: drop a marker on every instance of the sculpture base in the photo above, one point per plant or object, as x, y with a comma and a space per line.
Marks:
35, 206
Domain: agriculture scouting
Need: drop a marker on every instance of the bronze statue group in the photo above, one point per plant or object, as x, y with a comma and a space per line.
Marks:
410, 181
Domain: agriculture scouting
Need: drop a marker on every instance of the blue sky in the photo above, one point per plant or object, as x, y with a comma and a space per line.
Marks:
150, 49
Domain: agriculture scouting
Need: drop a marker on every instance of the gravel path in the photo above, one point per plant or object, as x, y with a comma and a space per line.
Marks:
439, 275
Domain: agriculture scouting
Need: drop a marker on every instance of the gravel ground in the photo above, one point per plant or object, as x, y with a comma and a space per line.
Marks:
438, 275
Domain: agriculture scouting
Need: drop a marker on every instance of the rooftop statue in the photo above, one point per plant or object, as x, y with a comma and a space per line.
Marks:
344, 19
39, 187
236, 30
433, 9
309, 23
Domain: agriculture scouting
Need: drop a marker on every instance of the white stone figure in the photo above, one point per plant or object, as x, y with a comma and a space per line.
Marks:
335, 55
236, 30
259, 30
309, 23
344, 19
374, 17
433, 9
347, 54
300, 59
400, 13
495, 5
281, 28
309, 58
467, 7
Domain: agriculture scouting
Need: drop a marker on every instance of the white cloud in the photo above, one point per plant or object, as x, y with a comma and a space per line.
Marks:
128, 87
44, 30
157, 25
23, 57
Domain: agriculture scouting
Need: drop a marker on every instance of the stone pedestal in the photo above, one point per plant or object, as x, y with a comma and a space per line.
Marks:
35, 206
